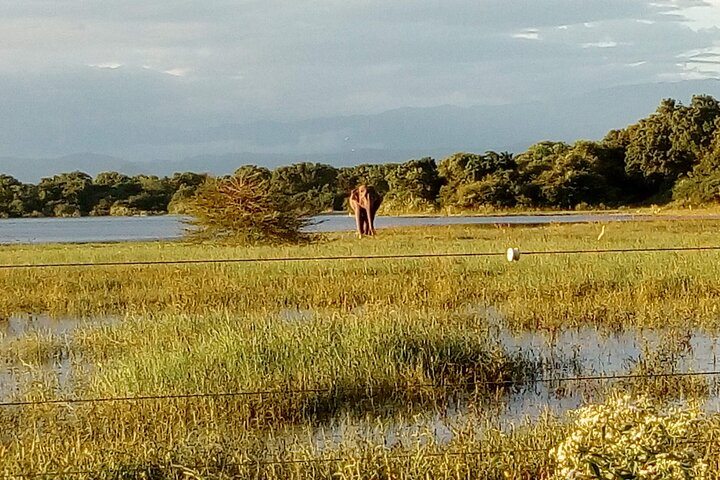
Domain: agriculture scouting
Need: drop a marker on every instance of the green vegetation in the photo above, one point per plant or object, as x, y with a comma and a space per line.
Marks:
243, 208
329, 364
356, 369
631, 438
671, 154
544, 291
110, 193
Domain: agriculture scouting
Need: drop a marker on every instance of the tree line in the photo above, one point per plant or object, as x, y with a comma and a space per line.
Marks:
673, 154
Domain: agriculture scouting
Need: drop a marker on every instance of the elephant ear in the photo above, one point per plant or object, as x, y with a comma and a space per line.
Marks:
355, 195
377, 198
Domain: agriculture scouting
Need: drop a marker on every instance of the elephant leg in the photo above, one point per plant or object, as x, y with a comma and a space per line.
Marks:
365, 230
358, 220
371, 221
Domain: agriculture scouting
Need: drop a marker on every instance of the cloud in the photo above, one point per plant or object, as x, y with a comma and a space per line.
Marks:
602, 44
110, 65
529, 34
76, 73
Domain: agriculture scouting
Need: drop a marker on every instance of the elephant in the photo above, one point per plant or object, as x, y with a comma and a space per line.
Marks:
365, 201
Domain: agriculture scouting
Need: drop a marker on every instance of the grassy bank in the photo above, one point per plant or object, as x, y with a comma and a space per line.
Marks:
547, 291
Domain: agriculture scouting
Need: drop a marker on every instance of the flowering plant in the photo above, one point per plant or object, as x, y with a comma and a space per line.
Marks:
628, 438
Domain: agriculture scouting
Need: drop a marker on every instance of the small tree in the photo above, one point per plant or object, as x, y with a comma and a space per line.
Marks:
243, 208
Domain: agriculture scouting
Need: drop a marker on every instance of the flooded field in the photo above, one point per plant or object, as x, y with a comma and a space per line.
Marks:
576, 366
56, 367
314, 369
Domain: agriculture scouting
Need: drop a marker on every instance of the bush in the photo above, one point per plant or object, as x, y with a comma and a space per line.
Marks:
243, 208
398, 205
626, 438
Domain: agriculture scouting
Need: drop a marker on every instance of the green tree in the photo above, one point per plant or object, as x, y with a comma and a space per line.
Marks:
532, 163
306, 185
113, 189
154, 196
494, 189
695, 125
669, 143
245, 209
555, 174
184, 186
262, 172
414, 185
67, 194
16, 199
702, 185
471, 180
571, 181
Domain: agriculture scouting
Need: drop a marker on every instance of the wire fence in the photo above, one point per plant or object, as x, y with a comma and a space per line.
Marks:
365, 389
385, 456
352, 257
275, 392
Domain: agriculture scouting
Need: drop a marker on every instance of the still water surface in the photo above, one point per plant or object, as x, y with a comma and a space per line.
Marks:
167, 227
571, 353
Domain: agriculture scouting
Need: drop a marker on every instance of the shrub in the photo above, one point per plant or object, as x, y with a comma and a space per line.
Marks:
626, 438
243, 208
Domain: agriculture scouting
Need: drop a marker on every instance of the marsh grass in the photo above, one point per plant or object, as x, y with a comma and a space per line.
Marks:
655, 367
550, 292
475, 450
331, 362
376, 339
353, 365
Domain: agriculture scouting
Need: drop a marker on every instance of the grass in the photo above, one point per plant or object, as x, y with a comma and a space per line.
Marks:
362, 367
100, 447
368, 422
328, 364
611, 290
383, 351
104, 451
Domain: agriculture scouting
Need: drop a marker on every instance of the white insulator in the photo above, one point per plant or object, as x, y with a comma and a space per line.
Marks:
513, 254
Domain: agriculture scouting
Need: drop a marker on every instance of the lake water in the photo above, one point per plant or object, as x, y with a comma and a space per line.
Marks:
167, 227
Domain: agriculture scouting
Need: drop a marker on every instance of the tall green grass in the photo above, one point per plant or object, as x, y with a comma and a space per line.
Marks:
549, 291
76, 444
359, 342
92, 448
311, 368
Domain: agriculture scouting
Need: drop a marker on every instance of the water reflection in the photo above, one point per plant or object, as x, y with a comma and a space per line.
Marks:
56, 367
566, 354
18, 326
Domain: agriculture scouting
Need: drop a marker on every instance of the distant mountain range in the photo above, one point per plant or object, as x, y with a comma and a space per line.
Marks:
392, 136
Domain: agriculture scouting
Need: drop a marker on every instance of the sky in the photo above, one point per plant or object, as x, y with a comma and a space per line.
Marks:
136, 76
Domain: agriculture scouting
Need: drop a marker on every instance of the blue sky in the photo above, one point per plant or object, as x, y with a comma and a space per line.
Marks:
111, 76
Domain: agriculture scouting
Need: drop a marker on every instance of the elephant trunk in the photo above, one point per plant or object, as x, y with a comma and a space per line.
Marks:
365, 203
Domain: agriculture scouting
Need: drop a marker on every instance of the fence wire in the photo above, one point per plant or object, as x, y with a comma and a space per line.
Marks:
300, 391
268, 393
10, 266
